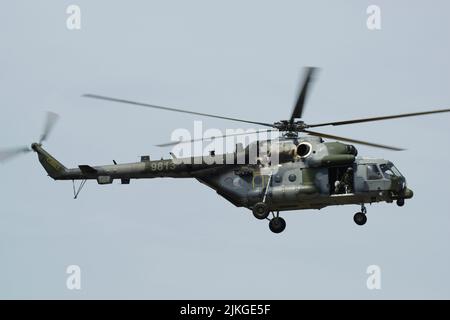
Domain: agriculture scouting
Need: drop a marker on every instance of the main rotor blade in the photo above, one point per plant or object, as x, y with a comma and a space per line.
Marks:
404, 115
172, 143
8, 154
95, 96
298, 109
329, 136
50, 121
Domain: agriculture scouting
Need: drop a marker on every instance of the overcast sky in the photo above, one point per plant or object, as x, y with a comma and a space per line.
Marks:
167, 238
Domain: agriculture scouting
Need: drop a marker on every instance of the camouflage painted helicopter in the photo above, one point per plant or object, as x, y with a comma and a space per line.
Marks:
309, 174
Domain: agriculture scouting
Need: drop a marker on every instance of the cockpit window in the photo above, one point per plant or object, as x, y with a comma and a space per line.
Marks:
389, 170
373, 173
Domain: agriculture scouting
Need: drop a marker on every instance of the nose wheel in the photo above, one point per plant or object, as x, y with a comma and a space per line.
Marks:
277, 224
360, 218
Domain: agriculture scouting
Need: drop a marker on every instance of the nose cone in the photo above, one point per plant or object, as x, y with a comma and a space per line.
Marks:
408, 194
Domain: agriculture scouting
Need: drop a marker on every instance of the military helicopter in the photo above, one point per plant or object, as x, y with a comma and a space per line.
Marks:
309, 173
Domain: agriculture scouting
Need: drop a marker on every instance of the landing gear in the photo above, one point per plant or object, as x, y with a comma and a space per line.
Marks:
360, 218
78, 190
401, 202
261, 211
277, 224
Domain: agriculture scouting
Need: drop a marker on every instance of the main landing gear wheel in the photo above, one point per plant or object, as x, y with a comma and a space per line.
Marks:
401, 202
277, 224
261, 211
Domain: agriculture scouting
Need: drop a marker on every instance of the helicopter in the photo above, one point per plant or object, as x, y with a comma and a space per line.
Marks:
309, 172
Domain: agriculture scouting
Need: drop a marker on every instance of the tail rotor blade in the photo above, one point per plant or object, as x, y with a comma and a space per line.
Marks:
50, 122
8, 154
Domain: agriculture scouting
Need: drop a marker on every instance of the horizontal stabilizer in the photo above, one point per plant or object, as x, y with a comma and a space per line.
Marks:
87, 169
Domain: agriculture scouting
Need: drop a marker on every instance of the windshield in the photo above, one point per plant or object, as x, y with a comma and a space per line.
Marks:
389, 170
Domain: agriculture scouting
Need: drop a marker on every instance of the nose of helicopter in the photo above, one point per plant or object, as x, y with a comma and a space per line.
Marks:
408, 193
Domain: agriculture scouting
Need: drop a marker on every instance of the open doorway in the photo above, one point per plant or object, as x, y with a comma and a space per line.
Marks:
341, 179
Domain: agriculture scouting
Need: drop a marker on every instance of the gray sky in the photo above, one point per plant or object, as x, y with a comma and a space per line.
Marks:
176, 238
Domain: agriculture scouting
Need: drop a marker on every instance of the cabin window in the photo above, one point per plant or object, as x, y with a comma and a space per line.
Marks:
373, 173
292, 177
278, 178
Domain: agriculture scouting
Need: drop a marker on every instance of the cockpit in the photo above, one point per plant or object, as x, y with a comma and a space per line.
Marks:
383, 170
381, 175
390, 171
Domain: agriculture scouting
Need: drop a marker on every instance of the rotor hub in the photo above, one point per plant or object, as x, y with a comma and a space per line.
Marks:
35, 145
288, 126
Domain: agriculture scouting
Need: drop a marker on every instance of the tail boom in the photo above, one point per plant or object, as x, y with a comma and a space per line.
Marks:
126, 171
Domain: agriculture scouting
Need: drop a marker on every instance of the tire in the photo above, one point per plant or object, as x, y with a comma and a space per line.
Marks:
401, 202
360, 218
277, 225
260, 211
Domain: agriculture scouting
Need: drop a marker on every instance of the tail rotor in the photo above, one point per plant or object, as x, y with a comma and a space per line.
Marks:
11, 153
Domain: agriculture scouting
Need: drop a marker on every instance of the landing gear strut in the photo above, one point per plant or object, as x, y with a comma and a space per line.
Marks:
277, 224
360, 218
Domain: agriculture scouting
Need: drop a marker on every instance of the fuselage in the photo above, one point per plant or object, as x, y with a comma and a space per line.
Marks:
287, 174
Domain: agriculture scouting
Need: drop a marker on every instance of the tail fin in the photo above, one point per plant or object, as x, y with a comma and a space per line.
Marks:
53, 167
